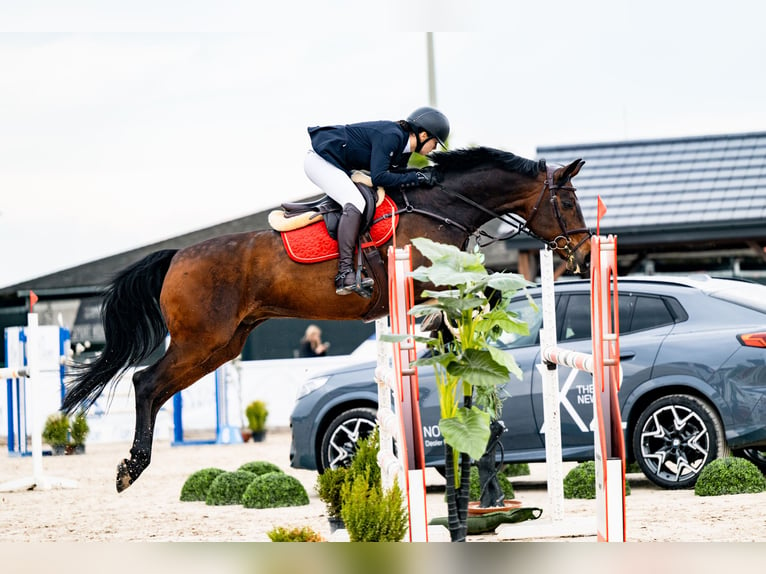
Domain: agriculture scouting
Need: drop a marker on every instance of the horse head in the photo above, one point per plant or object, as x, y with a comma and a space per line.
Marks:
556, 217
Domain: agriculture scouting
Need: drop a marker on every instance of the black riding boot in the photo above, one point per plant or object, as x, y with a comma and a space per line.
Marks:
348, 233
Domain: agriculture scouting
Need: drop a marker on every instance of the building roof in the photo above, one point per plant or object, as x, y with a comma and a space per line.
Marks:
670, 191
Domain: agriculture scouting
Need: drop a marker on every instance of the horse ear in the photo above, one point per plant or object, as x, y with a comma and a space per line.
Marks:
571, 170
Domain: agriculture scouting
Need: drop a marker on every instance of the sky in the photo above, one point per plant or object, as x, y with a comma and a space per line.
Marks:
123, 124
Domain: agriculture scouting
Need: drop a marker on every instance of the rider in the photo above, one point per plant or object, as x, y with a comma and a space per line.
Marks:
383, 148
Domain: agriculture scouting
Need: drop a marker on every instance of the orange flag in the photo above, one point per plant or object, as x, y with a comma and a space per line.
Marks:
32, 300
600, 213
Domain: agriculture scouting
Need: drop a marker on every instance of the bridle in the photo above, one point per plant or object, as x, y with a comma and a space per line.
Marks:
561, 243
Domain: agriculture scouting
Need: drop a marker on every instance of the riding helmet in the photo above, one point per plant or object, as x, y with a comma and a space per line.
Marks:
432, 121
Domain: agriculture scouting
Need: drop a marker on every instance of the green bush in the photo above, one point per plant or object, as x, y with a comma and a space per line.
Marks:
228, 488
198, 483
365, 459
371, 515
260, 467
516, 469
580, 482
305, 534
730, 475
474, 490
274, 490
329, 485
256, 413
79, 429
56, 430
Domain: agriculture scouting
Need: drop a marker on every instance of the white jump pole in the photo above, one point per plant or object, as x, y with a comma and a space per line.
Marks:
38, 479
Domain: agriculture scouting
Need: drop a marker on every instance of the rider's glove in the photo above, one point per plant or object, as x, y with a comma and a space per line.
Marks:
427, 177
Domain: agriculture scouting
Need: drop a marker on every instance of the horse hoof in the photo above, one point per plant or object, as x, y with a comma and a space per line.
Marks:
123, 476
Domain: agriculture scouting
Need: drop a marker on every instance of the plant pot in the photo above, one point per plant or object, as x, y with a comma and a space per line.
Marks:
246, 434
335, 523
58, 449
259, 436
475, 510
79, 449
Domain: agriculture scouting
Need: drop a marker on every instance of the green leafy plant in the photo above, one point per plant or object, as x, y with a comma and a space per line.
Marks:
198, 484
729, 475
329, 486
260, 467
79, 429
304, 534
56, 430
257, 413
274, 490
228, 487
467, 364
580, 482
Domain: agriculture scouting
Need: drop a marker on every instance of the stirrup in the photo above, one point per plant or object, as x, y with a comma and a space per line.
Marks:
361, 286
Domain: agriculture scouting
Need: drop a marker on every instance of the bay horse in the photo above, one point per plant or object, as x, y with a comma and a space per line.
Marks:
211, 295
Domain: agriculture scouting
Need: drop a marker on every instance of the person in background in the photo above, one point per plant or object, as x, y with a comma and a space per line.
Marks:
383, 148
311, 343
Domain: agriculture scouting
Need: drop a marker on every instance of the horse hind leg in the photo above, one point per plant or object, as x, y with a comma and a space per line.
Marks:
175, 371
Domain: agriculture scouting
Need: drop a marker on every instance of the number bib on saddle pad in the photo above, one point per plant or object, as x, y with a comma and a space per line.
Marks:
312, 244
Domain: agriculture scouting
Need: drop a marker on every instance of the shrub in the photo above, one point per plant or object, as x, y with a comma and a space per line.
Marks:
274, 490
228, 488
198, 484
329, 485
56, 430
79, 429
730, 475
516, 469
260, 467
305, 534
370, 515
365, 459
474, 490
580, 482
256, 413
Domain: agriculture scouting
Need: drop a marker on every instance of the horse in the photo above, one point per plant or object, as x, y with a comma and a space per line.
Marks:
211, 295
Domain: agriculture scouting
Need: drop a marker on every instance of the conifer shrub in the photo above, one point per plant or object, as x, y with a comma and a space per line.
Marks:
729, 475
260, 467
370, 515
580, 482
198, 483
328, 487
228, 487
474, 489
305, 534
274, 490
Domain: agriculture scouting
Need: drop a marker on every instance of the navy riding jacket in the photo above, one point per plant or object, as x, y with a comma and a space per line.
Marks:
376, 146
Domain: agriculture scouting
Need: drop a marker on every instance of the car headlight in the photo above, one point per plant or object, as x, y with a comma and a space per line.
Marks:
311, 385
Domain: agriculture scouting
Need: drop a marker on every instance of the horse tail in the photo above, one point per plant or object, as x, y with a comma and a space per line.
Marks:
133, 328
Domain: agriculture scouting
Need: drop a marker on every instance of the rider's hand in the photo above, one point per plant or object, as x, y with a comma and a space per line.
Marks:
427, 177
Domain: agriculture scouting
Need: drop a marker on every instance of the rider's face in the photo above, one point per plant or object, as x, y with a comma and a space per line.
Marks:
429, 145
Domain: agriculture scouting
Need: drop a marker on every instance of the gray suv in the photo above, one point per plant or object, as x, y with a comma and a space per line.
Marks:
693, 353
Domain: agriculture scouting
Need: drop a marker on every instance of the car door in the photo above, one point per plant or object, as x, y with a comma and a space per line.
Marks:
643, 326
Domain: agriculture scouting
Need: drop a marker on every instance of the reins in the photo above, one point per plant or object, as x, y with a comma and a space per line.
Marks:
521, 226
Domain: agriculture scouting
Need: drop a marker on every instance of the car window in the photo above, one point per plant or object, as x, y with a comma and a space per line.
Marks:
650, 312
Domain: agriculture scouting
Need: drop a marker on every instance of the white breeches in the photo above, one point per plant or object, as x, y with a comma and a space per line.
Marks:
332, 181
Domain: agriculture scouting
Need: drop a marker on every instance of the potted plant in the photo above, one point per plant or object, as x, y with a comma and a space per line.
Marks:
79, 430
256, 413
56, 432
473, 308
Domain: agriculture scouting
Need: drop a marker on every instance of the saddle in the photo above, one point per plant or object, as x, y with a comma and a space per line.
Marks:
297, 215
309, 235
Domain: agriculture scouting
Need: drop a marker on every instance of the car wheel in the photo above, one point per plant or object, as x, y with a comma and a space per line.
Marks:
754, 455
675, 437
340, 438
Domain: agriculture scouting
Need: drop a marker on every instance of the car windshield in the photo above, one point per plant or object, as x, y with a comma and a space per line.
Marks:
750, 295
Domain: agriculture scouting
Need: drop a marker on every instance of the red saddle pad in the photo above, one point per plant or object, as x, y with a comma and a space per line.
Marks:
312, 244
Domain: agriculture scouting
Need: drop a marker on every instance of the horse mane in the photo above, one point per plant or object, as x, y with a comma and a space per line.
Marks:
469, 158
